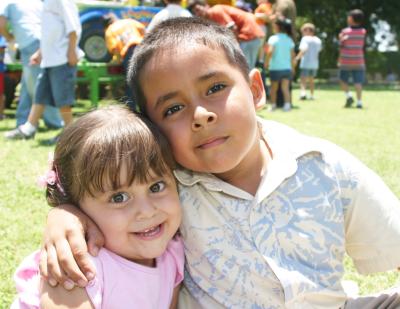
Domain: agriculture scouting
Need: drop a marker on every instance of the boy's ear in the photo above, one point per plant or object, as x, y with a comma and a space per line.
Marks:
257, 89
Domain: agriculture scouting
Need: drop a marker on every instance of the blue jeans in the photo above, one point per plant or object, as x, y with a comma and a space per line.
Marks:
250, 50
51, 115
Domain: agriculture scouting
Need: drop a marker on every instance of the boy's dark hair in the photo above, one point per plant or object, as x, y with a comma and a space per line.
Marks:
174, 33
192, 3
357, 15
285, 25
94, 149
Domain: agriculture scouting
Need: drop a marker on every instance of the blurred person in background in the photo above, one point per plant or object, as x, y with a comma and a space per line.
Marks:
24, 19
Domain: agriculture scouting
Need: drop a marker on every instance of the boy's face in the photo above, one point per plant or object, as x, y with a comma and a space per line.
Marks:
204, 106
305, 32
350, 20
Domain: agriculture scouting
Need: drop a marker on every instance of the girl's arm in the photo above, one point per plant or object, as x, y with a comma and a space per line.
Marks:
175, 296
59, 298
270, 51
293, 59
64, 257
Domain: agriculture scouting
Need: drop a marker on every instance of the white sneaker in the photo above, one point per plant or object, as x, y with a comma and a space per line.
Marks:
272, 108
287, 107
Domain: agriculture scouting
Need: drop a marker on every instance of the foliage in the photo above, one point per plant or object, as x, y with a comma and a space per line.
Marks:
330, 17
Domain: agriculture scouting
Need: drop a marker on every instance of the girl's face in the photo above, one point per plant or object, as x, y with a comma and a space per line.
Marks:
138, 220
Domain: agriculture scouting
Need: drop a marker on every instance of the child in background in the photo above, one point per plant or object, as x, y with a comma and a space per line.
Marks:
280, 57
310, 46
117, 167
268, 213
58, 56
351, 56
2, 70
173, 9
122, 36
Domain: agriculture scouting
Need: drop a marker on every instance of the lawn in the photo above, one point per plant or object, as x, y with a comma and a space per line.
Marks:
372, 134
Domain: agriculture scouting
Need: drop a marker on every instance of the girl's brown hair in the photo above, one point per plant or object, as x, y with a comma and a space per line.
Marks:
94, 149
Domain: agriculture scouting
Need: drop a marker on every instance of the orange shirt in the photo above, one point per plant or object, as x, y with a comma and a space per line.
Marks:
264, 8
122, 34
247, 27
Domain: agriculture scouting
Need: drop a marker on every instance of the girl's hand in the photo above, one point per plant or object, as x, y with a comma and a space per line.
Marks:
64, 257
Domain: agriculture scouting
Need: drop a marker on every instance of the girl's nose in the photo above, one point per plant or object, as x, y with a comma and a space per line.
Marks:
145, 210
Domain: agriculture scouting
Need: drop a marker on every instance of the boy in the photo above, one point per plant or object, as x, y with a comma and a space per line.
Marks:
351, 56
58, 56
310, 46
268, 213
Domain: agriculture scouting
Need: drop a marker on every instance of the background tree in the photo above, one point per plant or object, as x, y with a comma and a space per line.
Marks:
329, 17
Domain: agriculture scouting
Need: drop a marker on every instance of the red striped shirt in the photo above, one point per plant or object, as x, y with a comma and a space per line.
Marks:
352, 42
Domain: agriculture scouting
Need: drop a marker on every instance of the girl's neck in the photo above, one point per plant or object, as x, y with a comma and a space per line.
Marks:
145, 262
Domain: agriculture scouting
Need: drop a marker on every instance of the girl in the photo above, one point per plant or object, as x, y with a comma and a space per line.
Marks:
117, 167
280, 58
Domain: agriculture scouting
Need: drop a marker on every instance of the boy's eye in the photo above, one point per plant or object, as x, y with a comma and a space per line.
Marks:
216, 88
119, 197
157, 187
172, 110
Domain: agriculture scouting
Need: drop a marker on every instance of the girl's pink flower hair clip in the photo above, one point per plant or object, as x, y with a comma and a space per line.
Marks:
50, 177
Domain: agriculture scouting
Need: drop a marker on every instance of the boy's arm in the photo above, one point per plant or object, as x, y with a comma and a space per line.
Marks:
4, 30
298, 57
59, 298
64, 257
72, 43
175, 297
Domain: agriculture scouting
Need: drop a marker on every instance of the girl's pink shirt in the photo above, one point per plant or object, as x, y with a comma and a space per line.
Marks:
119, 283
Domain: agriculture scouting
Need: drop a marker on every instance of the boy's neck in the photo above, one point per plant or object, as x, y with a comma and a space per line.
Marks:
248, 176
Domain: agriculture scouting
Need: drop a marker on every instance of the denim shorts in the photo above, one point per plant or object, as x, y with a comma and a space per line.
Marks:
55, 86
308, 72
277, 75
356, 75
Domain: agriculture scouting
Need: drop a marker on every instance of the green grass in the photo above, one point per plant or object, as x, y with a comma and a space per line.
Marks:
372, 134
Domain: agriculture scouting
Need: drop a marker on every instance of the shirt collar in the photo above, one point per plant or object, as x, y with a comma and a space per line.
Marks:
286, 145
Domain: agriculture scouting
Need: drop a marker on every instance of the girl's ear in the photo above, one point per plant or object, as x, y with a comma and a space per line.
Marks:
257, 89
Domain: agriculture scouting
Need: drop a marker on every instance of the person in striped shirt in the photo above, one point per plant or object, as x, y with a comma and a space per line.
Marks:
351, 56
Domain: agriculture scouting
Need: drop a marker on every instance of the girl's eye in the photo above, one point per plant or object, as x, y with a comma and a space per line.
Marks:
216, 88
172, 110
157, 187
119, 197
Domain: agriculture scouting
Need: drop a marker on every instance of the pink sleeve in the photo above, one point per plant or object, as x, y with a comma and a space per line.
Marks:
94, 289
27, 281
175, 248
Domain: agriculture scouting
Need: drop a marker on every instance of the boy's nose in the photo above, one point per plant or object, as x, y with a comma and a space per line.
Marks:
202, 117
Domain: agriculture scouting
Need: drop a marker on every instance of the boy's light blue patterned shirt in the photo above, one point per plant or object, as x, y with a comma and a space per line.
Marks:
284, 247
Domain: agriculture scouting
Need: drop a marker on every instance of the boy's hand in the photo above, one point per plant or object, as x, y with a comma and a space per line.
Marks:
72, 57
64, 258
36, 58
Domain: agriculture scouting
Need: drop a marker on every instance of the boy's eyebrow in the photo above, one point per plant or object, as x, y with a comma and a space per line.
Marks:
165, 98
172, 94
